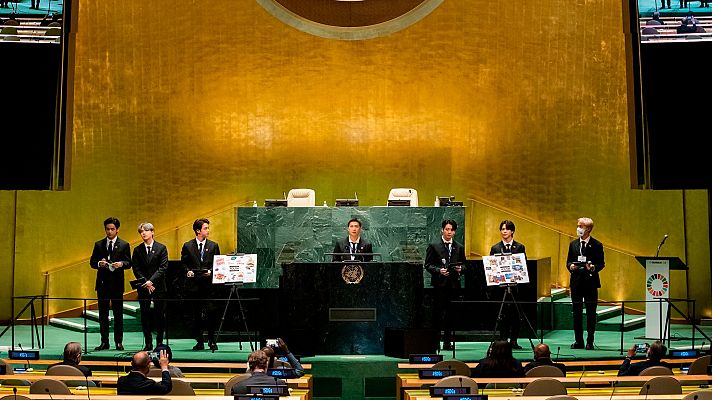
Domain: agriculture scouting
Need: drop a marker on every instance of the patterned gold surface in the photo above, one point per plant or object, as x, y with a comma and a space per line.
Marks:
183, 110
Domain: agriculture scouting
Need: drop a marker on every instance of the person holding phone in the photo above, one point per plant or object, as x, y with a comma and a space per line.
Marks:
654, 355
277, 347
138, 382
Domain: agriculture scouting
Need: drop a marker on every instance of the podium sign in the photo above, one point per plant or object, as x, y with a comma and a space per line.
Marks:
657, 291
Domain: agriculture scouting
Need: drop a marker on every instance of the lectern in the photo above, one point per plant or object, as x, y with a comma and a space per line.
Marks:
657, 293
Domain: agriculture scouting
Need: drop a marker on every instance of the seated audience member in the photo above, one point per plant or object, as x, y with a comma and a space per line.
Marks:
655, 353
499, 363
689, 25
172, 369
283, 350
655, 20
257, 361
138, 382
542, 356
73, 356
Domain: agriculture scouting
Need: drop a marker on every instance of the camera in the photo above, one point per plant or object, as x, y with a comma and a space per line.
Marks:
154, 355
272, 343
642, 347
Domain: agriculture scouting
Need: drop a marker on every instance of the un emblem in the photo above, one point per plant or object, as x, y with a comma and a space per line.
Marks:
352, 274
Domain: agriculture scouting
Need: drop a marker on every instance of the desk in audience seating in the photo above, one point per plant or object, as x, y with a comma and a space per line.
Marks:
238, 367
299, 396
579, 397
578, 363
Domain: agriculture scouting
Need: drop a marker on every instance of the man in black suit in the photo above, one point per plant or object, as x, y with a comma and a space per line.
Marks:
150, 262
72, 356
542, 356
196, 257
444, 260
138, 382
257, 361
110, 257
353, 244
509, 323
584, 261
655, 353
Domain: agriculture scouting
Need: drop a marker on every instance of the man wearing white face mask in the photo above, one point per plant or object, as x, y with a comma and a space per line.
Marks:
585, 259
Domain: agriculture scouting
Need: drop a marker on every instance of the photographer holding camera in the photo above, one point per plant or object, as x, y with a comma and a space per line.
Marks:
280, 349
138, 382
655, 353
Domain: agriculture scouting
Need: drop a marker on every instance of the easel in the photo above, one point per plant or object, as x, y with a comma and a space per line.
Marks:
233, 290
508, 291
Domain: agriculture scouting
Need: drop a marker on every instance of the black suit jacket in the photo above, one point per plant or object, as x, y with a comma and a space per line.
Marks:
190, 261
628, 369
136, 383
343, 246
257, 378
582, 278
434, 256
113, 282
152, 268
499, 248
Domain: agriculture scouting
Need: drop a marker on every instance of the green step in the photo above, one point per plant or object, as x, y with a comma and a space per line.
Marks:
75, 324
557, 294
632, 322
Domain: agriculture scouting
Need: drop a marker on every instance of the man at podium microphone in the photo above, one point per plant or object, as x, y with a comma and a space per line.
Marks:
196, 258
444, 260
509, 325
110, 257
584, 261
353, 244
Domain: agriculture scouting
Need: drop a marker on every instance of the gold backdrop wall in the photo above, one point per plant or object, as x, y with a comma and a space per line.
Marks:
184, 109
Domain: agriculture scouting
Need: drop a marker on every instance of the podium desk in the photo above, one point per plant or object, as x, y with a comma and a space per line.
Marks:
345, 307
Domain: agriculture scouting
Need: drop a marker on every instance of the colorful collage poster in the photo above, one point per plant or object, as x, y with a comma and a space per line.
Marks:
506, 269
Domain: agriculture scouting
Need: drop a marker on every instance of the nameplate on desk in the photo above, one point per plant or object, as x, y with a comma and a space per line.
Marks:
284, 373
278, 390
254, 396
466, 397
23, 354
425, 358
440, 391
435, 373
684, 353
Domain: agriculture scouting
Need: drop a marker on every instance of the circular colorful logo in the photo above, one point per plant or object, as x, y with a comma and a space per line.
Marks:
657, 285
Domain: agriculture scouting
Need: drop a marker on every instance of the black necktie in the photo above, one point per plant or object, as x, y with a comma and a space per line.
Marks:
449, 249
200, 249
353, 247
148, 250
583, 248
111, 248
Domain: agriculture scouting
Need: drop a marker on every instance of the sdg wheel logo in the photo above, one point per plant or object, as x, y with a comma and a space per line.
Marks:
657, 285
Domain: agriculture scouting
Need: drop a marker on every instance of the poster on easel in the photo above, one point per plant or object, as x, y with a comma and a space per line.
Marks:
235, 269
506, 268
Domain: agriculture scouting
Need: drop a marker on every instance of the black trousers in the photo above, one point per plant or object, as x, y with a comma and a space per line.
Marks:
442, 312
113, 300
589, 297
157, 318
206, 308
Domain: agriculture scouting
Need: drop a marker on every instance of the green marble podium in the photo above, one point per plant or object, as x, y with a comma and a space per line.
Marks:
304, 234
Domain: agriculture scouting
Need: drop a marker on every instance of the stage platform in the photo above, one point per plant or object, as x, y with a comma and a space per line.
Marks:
345, 376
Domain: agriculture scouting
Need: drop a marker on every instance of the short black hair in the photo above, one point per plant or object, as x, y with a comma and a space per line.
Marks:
112, 220
509, 224
198, 224
451, 223
657, 351
354, 220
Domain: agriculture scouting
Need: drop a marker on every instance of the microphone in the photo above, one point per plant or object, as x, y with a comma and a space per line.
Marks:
614, 390
557, 352
647, 389
49, 393
27, 361
460, 381
86, 379
661, 245
583, 371
14, 392
355, 195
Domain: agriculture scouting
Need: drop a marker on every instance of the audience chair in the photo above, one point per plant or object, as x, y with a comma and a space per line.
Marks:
460, 367
404, 194
698, 367
457, 381
12, 382
233, 381
661, 385
55, 24
181, 388
545, 371
12, 22
699, 395
8, 30
14, 397
53, 32
545, 387
64, 370
562, 397
301, 198
44, 386
649, 30
658, 370
157, 398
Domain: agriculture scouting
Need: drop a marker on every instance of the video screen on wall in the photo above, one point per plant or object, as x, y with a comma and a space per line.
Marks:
668, 86
35, 49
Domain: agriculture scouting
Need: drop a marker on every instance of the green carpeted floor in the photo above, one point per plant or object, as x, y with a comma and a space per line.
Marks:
22, 7
647, 7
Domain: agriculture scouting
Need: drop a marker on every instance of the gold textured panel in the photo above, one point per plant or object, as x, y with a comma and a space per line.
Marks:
182, 112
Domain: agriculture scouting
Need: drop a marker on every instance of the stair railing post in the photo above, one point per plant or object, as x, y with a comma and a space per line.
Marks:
622, 323
84, 315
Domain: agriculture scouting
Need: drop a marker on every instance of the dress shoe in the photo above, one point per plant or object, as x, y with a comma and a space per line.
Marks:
577, 345
148, 347
515, 346
447, 346
103, 346
213, 346
199, 346
119, 346
589, 346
